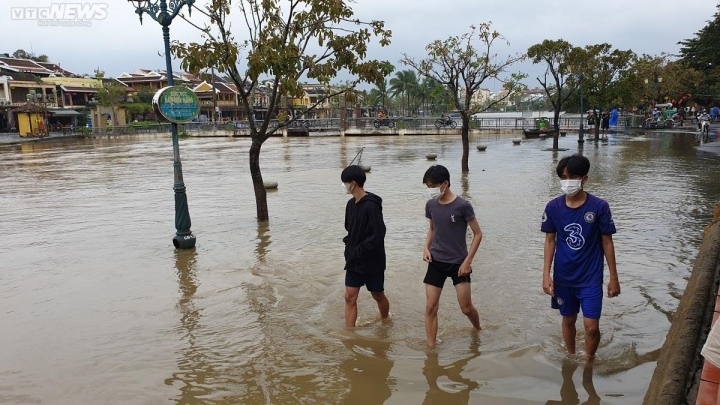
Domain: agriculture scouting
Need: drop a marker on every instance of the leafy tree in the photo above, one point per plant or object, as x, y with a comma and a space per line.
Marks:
112, 96
703, 54
22, 54
286, 40
601, 68
145, 94
141, 109
560, 57
461, 64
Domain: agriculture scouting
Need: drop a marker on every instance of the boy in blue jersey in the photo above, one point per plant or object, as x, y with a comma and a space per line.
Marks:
578, 237
446, 250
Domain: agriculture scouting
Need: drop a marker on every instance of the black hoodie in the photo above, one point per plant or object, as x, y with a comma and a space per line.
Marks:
365, 241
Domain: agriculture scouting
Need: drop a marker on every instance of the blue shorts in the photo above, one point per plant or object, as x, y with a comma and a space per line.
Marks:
374, 282
569, 300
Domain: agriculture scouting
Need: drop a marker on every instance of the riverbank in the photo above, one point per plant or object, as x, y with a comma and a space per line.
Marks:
682, 376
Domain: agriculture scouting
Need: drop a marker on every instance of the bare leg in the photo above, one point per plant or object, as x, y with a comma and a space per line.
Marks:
466, 306
592, 337
568, 332
432, 295
351, 295
382, 303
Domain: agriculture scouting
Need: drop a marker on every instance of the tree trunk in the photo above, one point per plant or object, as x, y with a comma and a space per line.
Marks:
465, 143
258, 186
556, 127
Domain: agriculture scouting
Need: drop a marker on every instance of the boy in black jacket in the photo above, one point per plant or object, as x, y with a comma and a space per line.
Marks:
364, 245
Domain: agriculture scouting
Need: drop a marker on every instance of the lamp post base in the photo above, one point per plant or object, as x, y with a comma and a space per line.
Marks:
184, 241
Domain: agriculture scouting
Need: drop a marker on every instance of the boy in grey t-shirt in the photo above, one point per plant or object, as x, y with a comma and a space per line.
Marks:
446, 250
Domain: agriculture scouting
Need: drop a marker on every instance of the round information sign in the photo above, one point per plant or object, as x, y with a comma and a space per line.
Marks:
176, 104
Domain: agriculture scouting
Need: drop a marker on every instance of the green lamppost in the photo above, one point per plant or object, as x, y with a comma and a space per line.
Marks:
158, 11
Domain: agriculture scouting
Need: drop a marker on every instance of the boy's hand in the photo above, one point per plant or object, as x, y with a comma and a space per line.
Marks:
427, 257
613, 288
465, 269
547, 286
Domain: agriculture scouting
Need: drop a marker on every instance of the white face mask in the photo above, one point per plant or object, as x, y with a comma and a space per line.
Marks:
570, 187
347, 188
435, 193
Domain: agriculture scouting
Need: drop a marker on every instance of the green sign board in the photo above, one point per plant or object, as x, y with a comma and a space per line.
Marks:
176, 104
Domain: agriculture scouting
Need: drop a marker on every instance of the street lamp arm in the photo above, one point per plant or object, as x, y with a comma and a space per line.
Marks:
162, 13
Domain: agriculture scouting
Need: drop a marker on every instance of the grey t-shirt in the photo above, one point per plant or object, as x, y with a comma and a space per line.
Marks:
450, 222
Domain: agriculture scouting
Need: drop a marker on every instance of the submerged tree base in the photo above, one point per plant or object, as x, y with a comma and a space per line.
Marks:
556, 150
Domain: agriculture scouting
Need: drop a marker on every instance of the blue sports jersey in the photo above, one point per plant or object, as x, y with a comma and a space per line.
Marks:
579, 258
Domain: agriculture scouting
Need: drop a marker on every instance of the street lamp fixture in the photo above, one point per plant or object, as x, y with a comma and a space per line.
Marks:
655, 85
158, 10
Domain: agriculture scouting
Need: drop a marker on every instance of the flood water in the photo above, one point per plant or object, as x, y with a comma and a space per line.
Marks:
96, 306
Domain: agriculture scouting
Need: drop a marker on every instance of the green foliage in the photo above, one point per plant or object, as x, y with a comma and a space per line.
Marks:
138, 108
22, 54
702, 54
112, 95
405, 84
144, 94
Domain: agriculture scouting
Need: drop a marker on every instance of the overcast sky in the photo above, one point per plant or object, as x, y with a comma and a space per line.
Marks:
115, 41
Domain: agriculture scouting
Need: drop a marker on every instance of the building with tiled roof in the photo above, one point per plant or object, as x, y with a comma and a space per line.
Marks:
24, 66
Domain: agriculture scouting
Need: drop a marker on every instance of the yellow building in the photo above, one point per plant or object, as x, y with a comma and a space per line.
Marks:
30, 120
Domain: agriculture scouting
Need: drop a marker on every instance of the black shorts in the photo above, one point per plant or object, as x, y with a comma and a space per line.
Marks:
437, 272
605, 125
374, 282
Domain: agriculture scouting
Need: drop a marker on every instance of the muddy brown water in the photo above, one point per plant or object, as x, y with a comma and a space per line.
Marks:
98, 308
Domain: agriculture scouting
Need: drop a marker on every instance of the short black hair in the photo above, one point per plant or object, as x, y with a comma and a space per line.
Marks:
576, 165
437, 174
353, 173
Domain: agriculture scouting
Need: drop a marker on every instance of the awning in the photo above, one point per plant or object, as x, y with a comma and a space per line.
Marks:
64, 113
76, 89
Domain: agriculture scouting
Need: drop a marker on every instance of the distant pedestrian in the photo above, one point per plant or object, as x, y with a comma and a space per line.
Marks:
605, 125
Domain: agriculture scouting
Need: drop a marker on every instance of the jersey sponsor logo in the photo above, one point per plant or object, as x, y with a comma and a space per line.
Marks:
574, 240
452, 217
589, 217
544, 217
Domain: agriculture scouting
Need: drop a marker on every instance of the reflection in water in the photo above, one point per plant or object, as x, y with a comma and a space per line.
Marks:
192, 364
465, 186
368, 369
343, 153
457, 391
568, 393
263, 240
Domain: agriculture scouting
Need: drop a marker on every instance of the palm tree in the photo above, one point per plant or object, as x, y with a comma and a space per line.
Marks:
379, 94
404, 83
